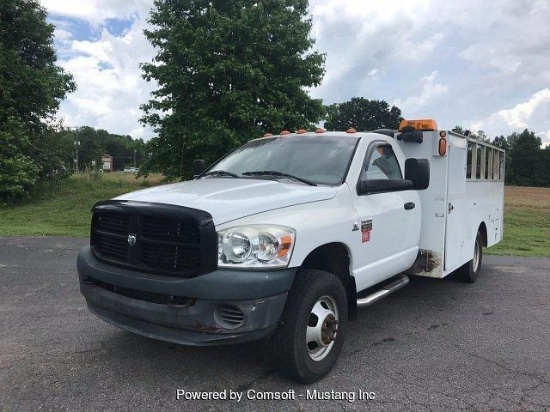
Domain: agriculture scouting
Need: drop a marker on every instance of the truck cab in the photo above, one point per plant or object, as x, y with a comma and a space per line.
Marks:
285, 238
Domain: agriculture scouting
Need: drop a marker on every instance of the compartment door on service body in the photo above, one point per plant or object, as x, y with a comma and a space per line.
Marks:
457, 223
389, 223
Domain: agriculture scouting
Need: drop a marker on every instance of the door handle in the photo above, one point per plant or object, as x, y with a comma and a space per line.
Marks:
409, 205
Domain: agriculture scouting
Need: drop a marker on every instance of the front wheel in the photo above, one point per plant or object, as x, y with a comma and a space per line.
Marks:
311, 333
469, 272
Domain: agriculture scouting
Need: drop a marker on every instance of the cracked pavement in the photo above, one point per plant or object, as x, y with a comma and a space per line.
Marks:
435, 345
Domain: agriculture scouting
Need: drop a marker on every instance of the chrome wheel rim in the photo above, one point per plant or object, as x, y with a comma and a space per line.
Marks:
322, 328
475, 259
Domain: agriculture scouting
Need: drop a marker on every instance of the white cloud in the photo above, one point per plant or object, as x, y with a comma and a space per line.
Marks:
532, 114
487, 62
96, 12
360, 37
61, 34
519, 116
106, 69
431, 90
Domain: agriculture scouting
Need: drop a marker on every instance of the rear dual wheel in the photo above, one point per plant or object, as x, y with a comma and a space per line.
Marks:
469, 272
311, 333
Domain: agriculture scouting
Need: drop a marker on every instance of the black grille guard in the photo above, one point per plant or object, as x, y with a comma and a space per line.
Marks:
175, 241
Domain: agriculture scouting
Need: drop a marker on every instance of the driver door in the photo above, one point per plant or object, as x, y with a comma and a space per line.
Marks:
389, 226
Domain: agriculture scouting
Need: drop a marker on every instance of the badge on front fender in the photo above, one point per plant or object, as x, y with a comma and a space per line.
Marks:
366, 227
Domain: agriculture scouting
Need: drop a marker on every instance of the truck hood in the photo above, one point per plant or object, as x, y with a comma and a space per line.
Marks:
228, 199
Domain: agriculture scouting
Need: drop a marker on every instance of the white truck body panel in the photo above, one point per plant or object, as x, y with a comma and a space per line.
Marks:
454, 206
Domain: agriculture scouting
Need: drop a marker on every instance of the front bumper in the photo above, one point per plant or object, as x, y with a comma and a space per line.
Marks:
185, 310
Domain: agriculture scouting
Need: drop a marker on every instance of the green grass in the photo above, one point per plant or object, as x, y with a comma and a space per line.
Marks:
66, 210
526, 233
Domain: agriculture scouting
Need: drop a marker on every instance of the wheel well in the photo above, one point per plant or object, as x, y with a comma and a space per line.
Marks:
483, 230
334, 258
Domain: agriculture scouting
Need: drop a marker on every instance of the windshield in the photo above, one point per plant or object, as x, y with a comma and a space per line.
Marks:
321, 159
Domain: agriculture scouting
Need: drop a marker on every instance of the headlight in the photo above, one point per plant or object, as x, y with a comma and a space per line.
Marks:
255, 246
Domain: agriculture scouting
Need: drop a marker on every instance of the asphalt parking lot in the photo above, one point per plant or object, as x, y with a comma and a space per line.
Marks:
433, 346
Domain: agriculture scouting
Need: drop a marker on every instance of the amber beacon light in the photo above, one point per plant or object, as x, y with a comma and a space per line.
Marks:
424, 125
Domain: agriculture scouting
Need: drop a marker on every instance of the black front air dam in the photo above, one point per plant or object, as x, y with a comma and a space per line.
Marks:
189, 325
120, 297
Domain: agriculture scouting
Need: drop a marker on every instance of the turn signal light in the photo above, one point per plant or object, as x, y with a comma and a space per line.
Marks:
442, 146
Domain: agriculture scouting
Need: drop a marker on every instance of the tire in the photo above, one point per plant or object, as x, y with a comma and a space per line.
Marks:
310, 336
469, 272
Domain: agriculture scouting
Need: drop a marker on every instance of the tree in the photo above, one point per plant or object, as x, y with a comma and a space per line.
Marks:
482, 136
502, 142
227, 71
479, 135
31, 87
17, 171
460, 130
96, 143
525, 158
363, 115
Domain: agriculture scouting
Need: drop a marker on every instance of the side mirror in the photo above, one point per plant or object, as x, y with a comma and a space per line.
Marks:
198, 167
418, 171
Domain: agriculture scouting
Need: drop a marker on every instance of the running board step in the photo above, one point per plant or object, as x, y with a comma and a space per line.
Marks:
388, 289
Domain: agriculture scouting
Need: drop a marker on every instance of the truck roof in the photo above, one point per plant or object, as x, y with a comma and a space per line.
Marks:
352, 136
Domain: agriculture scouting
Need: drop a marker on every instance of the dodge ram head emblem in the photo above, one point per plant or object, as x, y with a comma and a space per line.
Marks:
132, 239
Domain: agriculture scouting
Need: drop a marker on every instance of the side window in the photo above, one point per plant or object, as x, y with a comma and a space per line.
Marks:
382, 164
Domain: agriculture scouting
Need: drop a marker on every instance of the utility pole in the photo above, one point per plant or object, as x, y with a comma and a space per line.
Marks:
76, 144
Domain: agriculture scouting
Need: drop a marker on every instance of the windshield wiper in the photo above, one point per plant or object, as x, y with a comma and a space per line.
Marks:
279, 174
220, 173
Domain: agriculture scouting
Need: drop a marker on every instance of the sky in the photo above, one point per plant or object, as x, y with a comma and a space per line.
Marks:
483, 65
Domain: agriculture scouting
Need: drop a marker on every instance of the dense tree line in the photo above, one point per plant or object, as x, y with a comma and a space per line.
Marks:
95, 143
362, 115
527, 163
31, 87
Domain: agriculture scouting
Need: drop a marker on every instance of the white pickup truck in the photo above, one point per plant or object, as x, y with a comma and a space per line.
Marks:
288, 235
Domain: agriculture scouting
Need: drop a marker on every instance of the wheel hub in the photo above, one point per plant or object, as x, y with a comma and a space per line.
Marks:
329, 329
322, 328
